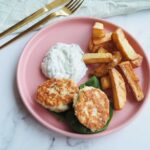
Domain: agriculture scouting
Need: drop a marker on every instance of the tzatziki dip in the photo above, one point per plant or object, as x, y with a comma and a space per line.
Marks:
64, 61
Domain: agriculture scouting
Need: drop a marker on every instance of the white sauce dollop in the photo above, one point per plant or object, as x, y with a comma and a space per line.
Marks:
64, 61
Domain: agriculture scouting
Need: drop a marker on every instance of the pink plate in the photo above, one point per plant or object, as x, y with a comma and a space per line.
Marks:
29, 76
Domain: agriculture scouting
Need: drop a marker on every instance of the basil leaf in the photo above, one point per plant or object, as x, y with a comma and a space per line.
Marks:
72, 120
60, 116
94, 82
76, 126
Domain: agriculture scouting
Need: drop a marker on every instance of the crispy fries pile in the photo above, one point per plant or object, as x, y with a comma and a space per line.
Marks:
116, 59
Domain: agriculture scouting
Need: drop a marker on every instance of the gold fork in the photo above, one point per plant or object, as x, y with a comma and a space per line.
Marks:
67, 10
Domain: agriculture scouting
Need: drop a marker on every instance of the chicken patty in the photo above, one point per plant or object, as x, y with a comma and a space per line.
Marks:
91, 107
56, 94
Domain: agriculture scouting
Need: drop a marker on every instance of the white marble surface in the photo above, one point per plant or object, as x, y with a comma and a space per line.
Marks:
20, 131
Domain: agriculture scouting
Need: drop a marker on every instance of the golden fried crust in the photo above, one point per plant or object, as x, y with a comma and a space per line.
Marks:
92, 108
56, 94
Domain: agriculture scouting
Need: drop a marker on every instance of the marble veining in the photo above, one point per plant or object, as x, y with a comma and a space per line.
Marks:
52, 141
74, 142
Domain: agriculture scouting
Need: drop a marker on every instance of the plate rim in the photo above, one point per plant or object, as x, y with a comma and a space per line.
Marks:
60, 131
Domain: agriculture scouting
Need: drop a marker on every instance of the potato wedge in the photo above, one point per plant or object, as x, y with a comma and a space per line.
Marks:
101, 70
105, 82
132, 79
118, 88
137, 62
106, 38
91, 45
98, 30
95, 48
110, 46
102, 50
123, 45
117, 57
93, 58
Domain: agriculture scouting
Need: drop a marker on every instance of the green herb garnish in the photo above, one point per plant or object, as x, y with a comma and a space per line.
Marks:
60, 116
72, 120
94, 82
76, 126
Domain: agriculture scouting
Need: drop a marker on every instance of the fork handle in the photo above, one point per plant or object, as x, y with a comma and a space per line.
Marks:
33, 27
